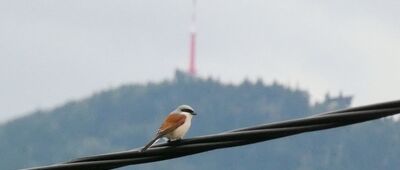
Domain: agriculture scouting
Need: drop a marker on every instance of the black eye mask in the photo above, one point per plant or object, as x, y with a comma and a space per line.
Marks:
189, 111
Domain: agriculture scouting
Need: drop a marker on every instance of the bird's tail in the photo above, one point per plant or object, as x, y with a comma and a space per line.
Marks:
151, 142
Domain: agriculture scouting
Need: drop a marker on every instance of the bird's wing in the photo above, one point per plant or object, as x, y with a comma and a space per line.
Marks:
171, 122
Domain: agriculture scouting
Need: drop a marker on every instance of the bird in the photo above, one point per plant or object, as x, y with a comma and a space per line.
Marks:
175, 125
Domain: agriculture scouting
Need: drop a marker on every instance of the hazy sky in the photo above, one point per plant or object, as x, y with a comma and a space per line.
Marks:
54, 51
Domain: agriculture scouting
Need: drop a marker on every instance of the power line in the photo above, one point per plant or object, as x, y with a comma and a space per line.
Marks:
232, 138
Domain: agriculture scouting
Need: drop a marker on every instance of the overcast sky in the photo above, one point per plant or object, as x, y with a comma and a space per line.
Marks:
55, 51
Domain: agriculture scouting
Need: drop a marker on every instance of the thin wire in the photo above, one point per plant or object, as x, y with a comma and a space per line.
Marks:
238, 137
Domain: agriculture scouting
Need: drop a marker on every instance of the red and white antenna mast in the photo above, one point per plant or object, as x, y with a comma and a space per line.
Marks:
192, 55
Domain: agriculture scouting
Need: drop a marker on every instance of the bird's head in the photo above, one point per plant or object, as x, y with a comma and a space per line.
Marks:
187, 109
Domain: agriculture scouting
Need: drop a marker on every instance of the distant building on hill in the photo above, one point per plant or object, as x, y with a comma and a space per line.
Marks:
332, 103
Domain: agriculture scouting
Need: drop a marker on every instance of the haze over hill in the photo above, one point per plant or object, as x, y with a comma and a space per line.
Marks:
51, 51
126, 117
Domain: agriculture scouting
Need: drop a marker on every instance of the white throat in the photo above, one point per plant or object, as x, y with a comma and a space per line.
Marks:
188, 115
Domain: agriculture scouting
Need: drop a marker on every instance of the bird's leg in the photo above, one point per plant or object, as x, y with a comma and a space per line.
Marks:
174, 142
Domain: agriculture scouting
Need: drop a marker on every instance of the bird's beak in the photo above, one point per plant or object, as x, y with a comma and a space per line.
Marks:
194, 113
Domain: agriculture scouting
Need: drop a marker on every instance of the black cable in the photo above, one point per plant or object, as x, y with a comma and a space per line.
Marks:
329, 117
233, 138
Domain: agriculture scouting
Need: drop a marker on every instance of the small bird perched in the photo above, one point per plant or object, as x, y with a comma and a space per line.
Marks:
175, 125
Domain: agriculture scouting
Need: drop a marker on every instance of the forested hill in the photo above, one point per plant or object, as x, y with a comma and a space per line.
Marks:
127, 117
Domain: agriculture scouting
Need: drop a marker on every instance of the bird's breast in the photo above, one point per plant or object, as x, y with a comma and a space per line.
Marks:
180, 132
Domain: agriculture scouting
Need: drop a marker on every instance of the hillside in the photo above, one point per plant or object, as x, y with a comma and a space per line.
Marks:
126, 117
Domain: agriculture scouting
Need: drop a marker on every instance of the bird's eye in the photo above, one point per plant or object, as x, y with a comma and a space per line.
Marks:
187, 110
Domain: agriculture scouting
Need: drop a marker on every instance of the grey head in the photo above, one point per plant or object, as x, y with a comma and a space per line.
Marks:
186, 108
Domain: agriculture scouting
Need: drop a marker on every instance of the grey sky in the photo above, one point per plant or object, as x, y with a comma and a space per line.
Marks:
54, 51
